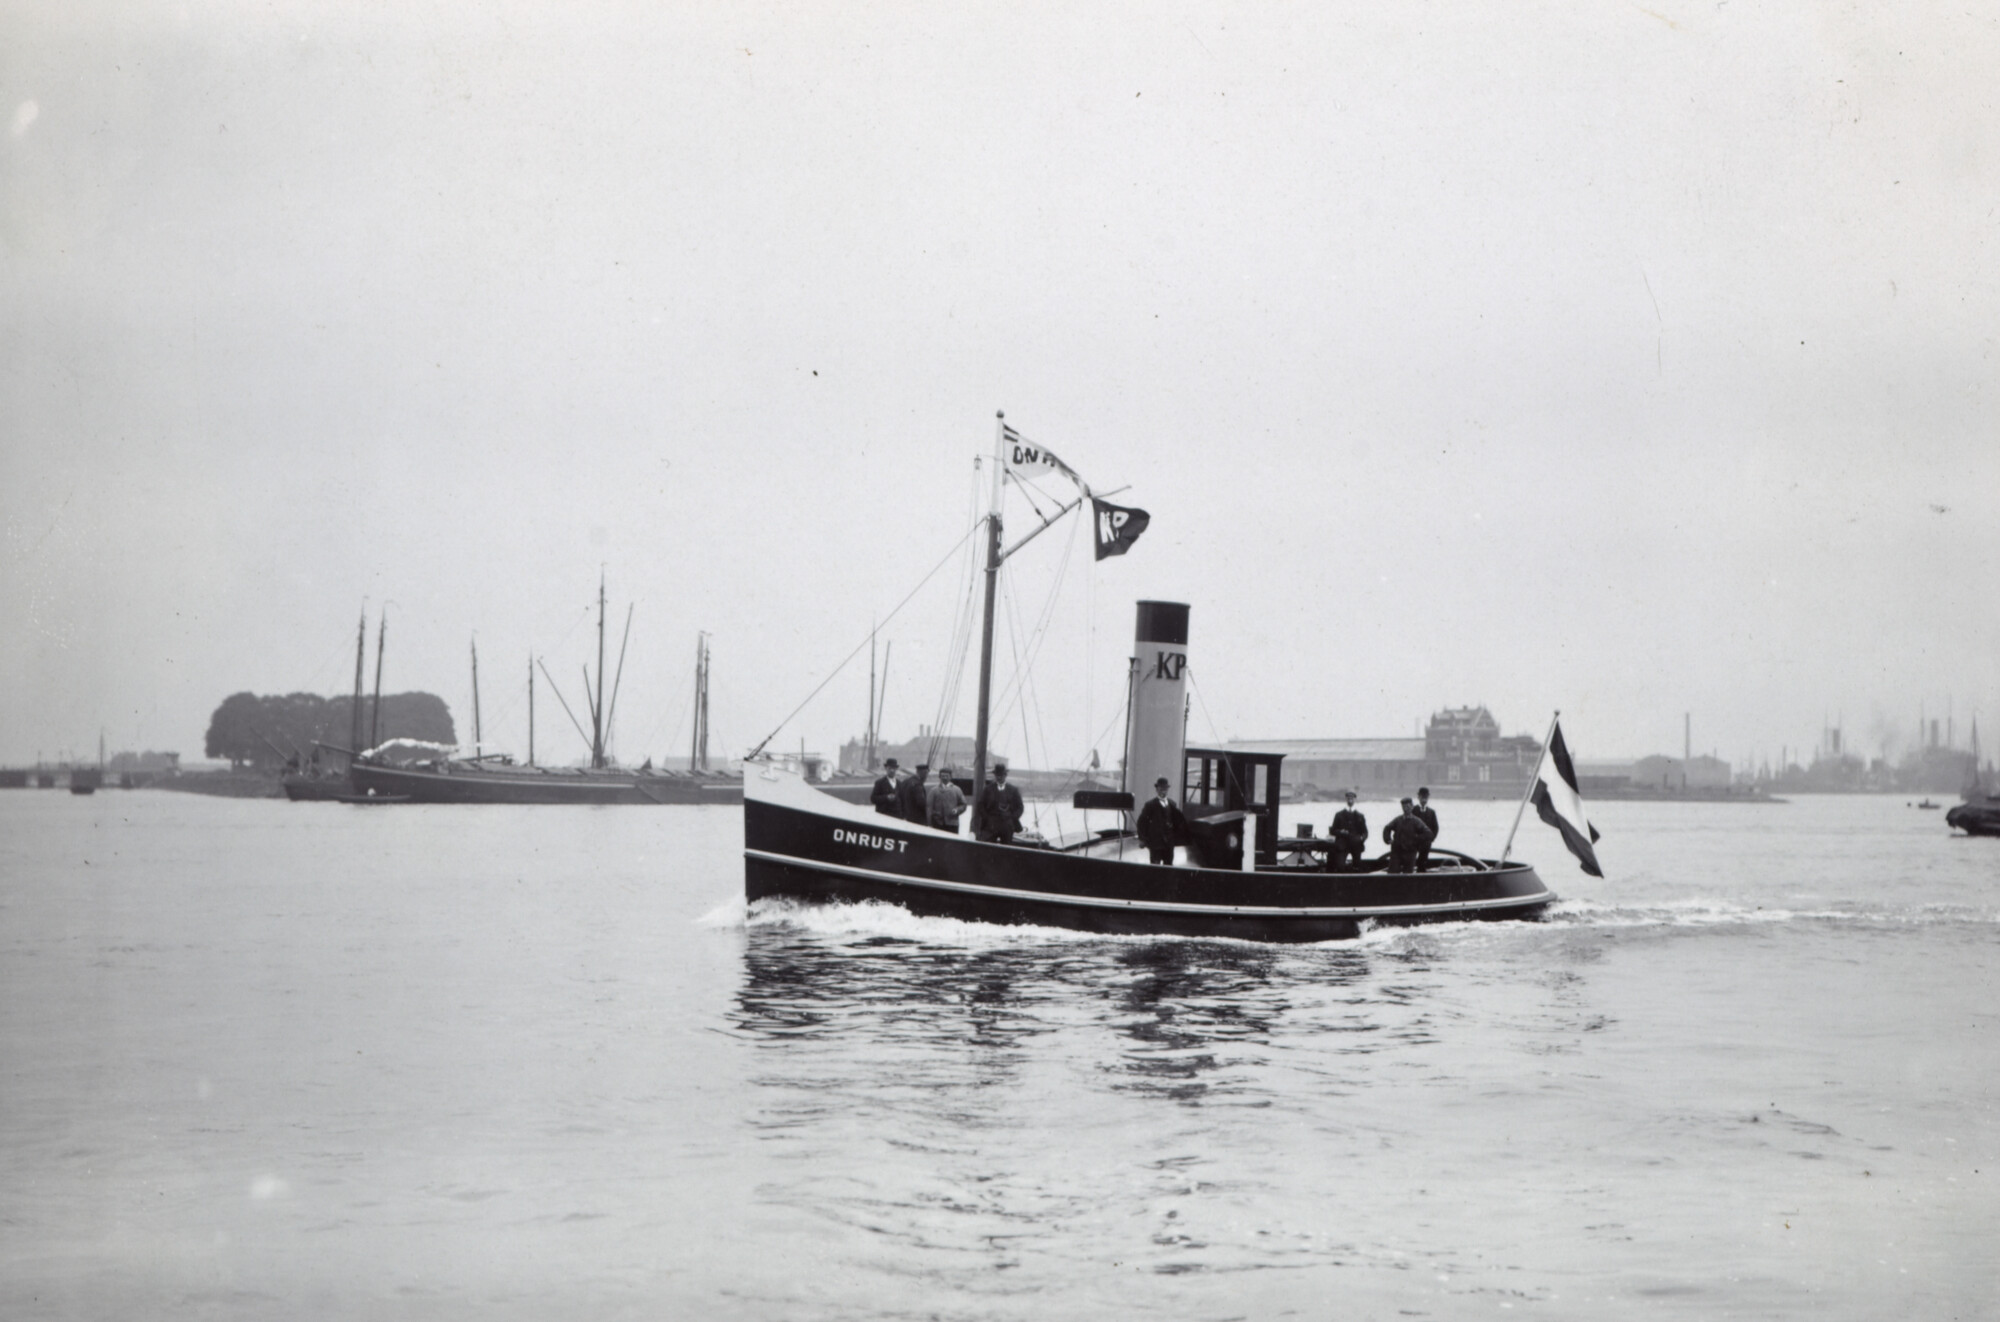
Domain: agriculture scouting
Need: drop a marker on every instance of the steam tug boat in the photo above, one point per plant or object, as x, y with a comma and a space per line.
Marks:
1234, 876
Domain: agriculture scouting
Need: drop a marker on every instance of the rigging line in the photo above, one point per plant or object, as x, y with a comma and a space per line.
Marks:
961, 651
1077, 773
554, 688
1213, 733
1028, 493
952, 680
1039, 635
1047, 613
863, 643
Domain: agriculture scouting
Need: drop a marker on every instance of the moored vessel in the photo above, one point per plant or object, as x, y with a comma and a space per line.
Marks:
1979, 814
412, 771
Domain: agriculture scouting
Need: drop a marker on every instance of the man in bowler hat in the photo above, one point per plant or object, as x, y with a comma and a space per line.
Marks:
886, 800
1161, 824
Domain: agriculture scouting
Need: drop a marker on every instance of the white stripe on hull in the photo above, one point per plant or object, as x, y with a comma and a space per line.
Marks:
1159, 906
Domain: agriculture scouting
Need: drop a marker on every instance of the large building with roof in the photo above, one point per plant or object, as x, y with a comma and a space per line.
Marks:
1461, 749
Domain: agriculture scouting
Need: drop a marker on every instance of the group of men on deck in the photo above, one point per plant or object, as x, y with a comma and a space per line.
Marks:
1409, 836
996, 818
1161, 825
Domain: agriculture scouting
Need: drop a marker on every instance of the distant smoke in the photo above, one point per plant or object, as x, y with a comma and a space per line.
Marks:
1887, 735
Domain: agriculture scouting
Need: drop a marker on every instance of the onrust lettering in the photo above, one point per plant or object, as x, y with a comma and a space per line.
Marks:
844, 836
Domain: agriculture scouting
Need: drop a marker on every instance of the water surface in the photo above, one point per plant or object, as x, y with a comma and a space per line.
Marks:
262, 1059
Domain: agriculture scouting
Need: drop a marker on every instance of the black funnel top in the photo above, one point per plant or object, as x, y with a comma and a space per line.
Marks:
1163, 622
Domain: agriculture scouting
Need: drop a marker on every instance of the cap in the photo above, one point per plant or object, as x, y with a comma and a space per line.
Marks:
1406, 800
923, 766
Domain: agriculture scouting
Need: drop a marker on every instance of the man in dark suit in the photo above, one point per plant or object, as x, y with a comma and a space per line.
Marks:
1428, 816
997, 815
885, 797
1350, 836
1161, 824
1405, 836
913, 798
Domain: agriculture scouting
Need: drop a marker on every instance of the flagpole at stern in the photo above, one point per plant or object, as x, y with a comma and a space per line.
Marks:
986, 628
1528, 793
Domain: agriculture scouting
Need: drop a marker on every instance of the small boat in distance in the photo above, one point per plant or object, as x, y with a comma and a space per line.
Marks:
1239, 879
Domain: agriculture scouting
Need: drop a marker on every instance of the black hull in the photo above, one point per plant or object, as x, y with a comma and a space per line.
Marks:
794, 851
1975, 818
417, 785
316, 789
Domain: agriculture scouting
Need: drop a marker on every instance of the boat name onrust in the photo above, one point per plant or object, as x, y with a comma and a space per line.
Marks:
842, 836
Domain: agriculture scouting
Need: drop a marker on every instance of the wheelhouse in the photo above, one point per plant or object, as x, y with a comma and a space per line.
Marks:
1230, 795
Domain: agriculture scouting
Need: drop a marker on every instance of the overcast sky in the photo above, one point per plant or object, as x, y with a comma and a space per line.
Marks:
1628, 360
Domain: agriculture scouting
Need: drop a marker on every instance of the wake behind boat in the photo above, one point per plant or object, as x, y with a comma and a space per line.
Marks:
1231, 876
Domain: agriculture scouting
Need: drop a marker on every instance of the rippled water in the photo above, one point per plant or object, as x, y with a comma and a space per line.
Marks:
261, 1059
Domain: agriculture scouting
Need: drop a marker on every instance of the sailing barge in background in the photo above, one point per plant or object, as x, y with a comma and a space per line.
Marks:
482, 778
1239, 879
317, 782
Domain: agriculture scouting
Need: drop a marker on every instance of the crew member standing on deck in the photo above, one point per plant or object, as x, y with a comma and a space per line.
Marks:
913, 798
997, 815
1350, 836
1405, 836
947, 803
1428, 815
1161, 824
886, 799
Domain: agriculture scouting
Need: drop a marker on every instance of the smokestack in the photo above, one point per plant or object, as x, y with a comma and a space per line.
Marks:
1155, 741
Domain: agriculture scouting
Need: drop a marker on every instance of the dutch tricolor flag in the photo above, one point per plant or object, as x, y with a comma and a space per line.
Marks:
1559, 803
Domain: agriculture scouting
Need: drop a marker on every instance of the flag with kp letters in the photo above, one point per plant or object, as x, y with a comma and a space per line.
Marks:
1117, 527
1558, 802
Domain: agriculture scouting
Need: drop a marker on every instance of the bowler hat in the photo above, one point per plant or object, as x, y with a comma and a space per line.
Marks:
890, 764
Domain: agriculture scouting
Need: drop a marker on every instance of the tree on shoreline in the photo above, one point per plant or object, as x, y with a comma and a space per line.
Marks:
270, 731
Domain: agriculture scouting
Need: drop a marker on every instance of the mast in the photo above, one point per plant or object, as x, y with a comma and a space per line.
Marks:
1533, 778
868, 740
617, 677
597, 703
476, 740
531, 711
360, 655
375, 711
698, 748
881, 700
986, 625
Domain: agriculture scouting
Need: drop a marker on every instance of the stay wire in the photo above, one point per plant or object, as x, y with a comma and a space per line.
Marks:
961, 637
1213, 733
864, 641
